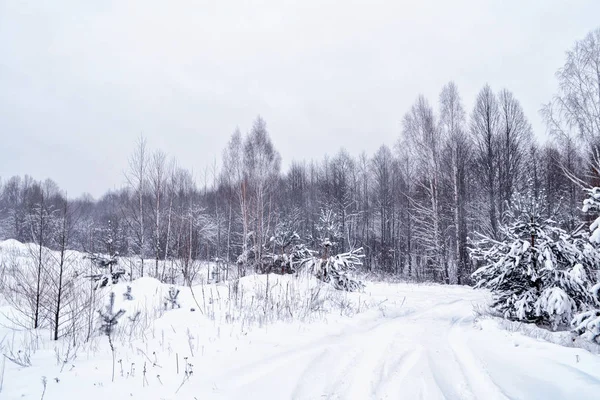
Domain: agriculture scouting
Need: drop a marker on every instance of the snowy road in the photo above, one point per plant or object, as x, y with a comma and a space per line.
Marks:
424, 346
421, 342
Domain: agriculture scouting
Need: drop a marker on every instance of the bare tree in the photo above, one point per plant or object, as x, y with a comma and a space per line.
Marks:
157, 177
170, 192
407, 172
43, 219
515, 138
576, 106
62, 275
136, 180
426, 143
28, 284
485, 121
452, 123
574, 111
233, 171
261, 167
382, 166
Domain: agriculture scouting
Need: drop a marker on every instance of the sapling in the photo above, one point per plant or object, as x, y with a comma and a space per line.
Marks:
171, 298
127, 295
108, 273
108, 320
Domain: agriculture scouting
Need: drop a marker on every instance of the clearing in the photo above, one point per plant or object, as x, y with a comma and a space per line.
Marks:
411, 341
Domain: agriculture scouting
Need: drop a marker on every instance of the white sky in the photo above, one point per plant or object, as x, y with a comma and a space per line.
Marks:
79, 81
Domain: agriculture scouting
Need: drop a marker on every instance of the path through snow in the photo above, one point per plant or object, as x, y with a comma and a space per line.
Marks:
421, 343
426, 346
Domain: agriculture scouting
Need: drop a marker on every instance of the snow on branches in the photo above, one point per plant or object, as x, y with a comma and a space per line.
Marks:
329, 229
538, 273
284, 252
592, 204
587, 323
334, 269
107, 271
109, 317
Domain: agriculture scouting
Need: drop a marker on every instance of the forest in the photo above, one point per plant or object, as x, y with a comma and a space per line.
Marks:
414, 208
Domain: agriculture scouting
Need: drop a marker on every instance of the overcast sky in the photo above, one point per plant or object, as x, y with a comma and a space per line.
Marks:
79, 81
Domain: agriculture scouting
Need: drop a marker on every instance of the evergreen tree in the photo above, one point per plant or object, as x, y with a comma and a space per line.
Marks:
539, 273
109, 317
587, 323
334, 270
106, 265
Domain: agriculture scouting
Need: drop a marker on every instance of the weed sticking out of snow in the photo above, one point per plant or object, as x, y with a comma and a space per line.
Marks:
148, 338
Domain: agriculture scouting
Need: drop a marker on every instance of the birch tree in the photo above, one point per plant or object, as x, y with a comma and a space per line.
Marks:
576, 105
485, 120
425, 140
137, 182
261, 163
157, 183
452, 123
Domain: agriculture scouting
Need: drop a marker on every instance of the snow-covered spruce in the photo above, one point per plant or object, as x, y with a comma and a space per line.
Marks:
108, 272
295, 256
587, 323
282, 255
592, 205
334, 269
285, 250
171, 298
329, 229
109, 317
108, 320
538, 273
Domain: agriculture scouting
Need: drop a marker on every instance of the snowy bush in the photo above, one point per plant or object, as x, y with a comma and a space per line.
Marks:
334, 269
539, 273
285, 254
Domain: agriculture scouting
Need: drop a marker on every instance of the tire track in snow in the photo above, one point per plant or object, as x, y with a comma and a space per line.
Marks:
413, 354
480, 381
393, 375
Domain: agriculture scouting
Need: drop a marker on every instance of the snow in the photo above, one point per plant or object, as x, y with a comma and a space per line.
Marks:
392, 341
592, 203
557, 303
578, 274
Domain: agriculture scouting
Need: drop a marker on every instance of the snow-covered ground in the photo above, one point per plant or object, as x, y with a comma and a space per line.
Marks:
423, 344
283, 337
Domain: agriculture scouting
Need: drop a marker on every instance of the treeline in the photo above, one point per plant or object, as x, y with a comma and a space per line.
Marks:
413, 207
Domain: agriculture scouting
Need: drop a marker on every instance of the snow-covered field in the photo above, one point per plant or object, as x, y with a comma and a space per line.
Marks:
286, 337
